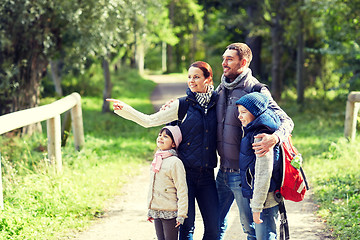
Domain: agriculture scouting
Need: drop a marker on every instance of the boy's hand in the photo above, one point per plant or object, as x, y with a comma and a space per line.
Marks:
117, 105
268, 142
256, 217
150, 219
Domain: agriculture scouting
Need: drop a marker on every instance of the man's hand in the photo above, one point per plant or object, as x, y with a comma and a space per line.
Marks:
117, 104
167, 104
177, 224
256, 217
266, 144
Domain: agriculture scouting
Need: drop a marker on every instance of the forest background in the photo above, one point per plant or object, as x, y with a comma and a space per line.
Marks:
307, 51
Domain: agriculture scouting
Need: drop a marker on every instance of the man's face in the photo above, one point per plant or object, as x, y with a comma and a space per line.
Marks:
231, 64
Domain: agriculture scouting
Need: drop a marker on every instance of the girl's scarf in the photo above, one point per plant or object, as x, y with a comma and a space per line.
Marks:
233, 84
204, 98
158, 158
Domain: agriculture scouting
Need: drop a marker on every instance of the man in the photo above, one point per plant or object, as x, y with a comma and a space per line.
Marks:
236, 81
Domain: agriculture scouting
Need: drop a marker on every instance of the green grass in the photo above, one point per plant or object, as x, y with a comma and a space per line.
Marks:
331, 162
40, 204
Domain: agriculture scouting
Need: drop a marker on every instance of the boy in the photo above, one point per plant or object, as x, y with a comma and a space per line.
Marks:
260, 176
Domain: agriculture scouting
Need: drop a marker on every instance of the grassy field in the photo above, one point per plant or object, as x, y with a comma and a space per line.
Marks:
40, 204
332, 163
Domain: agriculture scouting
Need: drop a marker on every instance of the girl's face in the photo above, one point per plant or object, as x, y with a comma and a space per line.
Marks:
196, 80
245, 116
164, 141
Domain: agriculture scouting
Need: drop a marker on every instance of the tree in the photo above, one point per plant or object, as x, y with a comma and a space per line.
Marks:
33, 32
186, 19
341, 25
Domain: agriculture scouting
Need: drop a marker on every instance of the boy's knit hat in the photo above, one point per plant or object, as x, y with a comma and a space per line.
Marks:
255, 102
175, 131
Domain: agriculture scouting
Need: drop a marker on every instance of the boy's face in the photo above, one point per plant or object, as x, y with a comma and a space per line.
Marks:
245, 116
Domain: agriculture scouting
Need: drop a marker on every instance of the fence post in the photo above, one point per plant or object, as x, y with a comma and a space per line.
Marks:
54, 141
352, 109
1, 189
78, 129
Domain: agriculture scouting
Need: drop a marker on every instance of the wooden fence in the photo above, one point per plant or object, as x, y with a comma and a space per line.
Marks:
352, 110
51, 113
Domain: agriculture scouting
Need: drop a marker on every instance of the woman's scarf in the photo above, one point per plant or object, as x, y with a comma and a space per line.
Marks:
159, 156
233, 84
204, 98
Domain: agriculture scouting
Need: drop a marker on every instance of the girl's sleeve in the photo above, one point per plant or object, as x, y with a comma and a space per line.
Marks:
179, 177
161, 117
263, 173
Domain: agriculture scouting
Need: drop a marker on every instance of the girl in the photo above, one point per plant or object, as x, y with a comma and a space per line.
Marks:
198, 148
167, 198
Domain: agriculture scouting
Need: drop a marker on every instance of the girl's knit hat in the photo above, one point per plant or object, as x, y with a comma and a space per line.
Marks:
176, 133
255, 102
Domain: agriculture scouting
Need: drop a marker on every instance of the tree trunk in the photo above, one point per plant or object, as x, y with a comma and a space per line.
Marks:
254, 12
107, 87
300, 63
56, 76
66, 127
140, 55
29, 92
163, 57
276, 36
169, 53
255, 45
194, 44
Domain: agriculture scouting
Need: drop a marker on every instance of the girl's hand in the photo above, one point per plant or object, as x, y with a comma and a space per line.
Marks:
177, 224
117, 105
150, 219
256, 217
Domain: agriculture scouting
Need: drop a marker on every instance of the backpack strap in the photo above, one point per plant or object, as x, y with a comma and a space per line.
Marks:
304, 177
258, 86
284, 225
183, 107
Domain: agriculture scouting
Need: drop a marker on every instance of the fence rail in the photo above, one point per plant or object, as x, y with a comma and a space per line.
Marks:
352, 110
50, 112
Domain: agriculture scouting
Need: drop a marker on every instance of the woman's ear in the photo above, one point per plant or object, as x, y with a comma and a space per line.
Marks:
208, 81
173, 145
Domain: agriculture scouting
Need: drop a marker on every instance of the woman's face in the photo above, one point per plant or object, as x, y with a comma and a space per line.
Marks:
196, 80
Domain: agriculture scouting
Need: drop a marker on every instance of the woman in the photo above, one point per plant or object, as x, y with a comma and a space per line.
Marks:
198, 147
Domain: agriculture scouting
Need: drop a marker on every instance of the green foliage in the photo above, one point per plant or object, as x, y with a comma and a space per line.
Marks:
340, 24
40, 204
331, 162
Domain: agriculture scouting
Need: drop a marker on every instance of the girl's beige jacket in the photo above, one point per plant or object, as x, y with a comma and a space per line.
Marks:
168, 189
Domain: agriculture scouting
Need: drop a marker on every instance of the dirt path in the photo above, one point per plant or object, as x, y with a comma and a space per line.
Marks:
125, 217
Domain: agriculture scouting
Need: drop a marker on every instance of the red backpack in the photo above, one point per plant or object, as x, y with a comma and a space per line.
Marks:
294, 184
